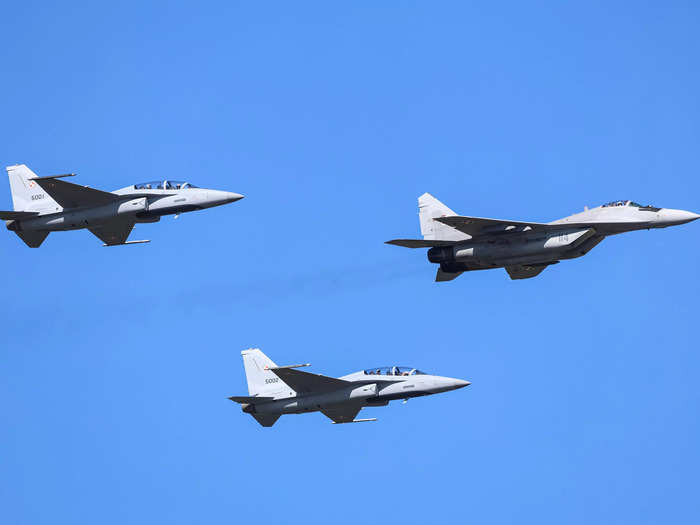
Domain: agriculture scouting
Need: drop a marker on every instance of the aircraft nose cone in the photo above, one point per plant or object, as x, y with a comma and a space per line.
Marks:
674, 217
445, 384
233, 197
459, 383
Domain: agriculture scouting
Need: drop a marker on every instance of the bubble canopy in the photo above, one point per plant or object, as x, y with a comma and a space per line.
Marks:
622, 203
164, 185
393, 371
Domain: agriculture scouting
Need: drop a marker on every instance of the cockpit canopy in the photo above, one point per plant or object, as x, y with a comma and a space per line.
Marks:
393, 371
164, 185
624, 203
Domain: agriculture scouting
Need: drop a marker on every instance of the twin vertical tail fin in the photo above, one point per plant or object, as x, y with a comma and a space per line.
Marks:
428, 209
27, 195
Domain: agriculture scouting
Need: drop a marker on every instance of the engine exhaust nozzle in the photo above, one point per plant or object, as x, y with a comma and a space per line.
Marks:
440, 254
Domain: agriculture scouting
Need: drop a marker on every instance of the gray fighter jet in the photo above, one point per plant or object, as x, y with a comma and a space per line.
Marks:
46, 204
461, 244
277, 390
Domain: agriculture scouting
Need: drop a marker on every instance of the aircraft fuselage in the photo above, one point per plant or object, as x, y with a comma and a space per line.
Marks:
387, 388
138, 205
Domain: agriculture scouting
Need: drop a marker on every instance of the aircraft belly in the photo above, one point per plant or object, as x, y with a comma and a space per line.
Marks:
535, 247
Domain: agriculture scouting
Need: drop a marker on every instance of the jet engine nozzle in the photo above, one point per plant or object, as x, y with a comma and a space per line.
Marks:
439, 254
248, 408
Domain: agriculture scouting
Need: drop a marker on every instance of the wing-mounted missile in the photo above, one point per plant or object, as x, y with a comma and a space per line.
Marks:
142, 241
46, 177
287, 366
364, 420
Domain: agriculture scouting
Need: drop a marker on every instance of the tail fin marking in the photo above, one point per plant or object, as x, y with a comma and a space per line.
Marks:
261, 381
27, 194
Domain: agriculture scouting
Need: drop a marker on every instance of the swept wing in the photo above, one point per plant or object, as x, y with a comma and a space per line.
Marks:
304, 382
115, 231
69, 195
475, 226
342, 414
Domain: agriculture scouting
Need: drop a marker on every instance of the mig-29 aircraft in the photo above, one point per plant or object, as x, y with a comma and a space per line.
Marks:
46, 204
276, 390
461, 244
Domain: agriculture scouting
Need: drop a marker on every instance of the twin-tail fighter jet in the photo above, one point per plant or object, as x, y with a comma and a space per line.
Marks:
461, 244
47, 204
276, 390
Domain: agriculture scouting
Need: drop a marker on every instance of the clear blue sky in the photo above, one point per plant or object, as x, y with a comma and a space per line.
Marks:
332, 119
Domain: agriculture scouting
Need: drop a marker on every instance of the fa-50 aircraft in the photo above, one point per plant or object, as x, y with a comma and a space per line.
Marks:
46, 204
461, 244
276, 390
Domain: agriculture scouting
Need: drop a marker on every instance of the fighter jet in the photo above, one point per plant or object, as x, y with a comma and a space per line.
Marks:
46, 204
276, 390
461, 244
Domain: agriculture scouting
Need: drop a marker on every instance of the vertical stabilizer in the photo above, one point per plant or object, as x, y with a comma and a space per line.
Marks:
261, 382
429, 208
27, 195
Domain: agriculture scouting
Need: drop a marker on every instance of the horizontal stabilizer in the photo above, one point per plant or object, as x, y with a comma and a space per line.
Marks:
16, 215
304, 382
250, 399
419, 243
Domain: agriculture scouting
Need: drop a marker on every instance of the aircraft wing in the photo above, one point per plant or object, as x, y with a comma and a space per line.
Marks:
114, 232
342, 414
525, 271
475, 226
69, 195
304, 382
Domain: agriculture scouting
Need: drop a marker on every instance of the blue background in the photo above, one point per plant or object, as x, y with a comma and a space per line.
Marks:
332, 119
